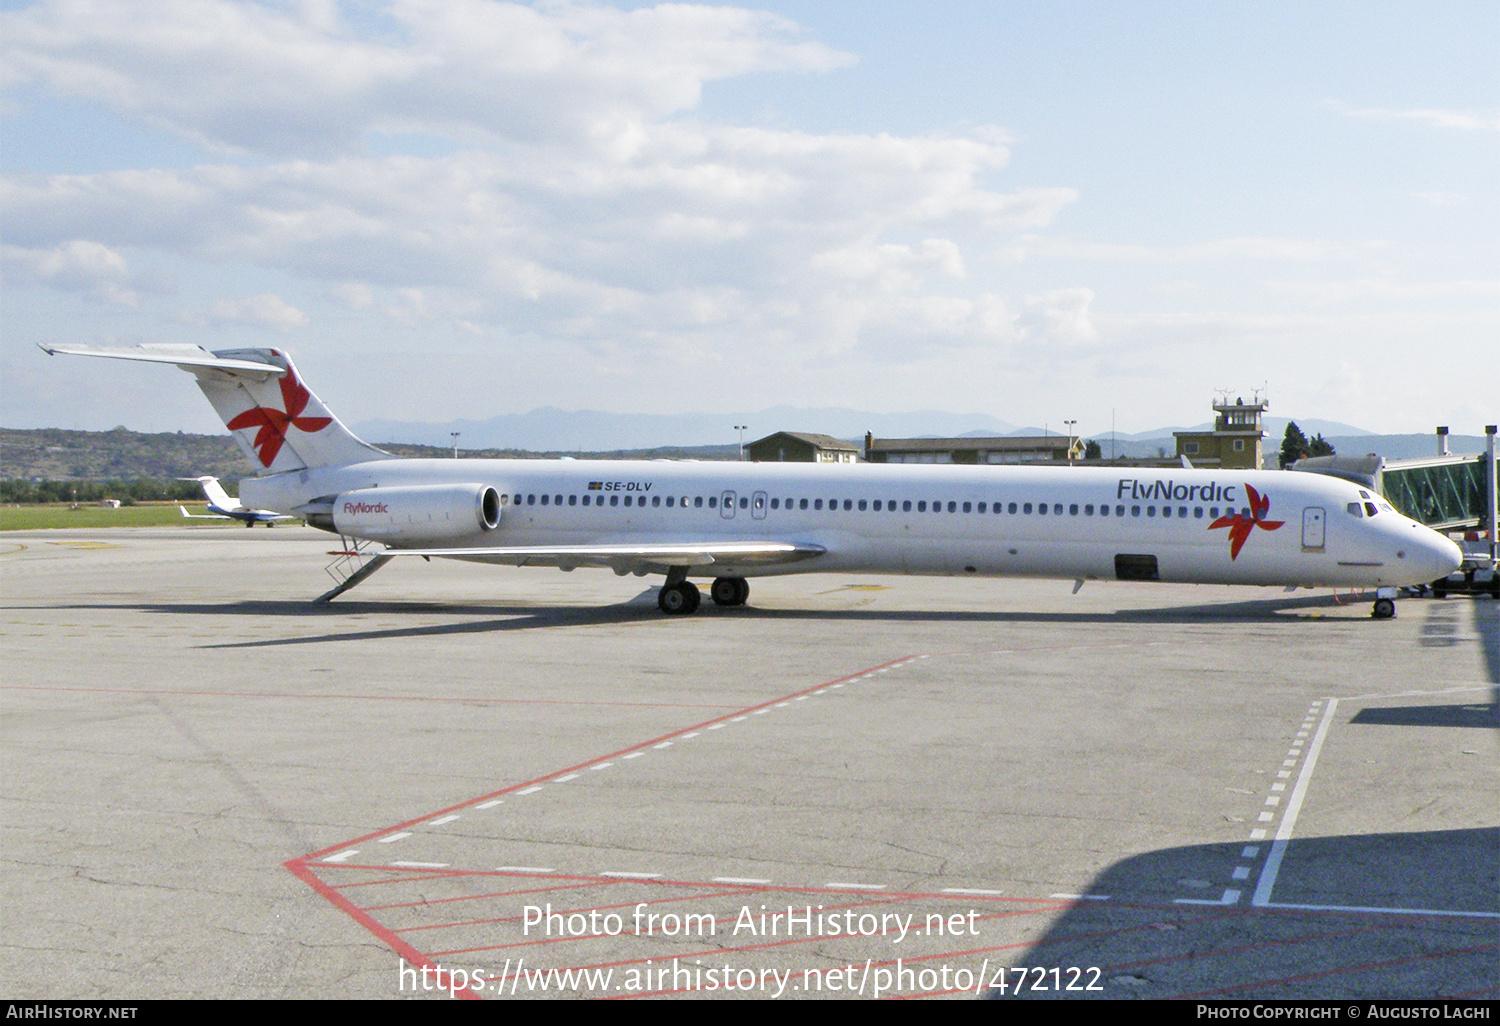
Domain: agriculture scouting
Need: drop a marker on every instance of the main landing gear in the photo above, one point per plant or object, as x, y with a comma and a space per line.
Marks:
730, 591
680, 597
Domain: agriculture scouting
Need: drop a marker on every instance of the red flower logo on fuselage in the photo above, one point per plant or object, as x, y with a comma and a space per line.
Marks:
1240, 525
273, 423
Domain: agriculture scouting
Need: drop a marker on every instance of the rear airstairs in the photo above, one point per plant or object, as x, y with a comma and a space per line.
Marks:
354, 563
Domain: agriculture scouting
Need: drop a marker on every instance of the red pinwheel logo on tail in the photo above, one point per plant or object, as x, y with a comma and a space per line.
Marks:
1240, 525
273, 423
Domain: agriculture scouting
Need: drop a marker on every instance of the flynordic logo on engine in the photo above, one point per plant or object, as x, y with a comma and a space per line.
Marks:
355, 508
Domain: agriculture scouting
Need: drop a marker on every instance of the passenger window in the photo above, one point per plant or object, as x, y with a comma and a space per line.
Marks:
713, 502
1135, 511
1024, 509
906, 505
1073, 510
1150, 511
1012, 508
1057, 509
614, 500
981, 508
802, 504
656, 500
670, 499
697, 502
1166, 511
862, 504
744, 503
922, 506
817, 504
848, 503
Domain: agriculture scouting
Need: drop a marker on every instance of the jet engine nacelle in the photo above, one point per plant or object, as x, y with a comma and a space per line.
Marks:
417, 513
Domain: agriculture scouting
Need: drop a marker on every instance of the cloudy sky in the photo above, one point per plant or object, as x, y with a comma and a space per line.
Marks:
1036, 210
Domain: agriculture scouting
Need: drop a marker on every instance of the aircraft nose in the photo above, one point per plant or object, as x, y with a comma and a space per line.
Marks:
1441, 554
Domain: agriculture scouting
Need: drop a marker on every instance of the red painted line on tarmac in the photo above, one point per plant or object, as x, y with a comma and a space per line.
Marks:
412, 956
580, 910
479, 897
746, 710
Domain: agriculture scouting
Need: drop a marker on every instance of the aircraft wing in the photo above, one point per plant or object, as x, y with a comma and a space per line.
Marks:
627, 557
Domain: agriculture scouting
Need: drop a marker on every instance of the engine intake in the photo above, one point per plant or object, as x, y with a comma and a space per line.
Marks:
417, 514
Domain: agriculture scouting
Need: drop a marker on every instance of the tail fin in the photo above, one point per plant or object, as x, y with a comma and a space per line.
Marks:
214, 492
278, 423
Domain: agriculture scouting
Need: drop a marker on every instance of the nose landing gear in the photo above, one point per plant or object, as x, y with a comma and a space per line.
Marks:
1385, 604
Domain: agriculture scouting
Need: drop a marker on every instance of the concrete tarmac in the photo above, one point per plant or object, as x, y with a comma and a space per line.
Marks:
854, 786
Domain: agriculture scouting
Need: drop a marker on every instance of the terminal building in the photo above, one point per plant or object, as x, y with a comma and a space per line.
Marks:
1059, 449
801, 447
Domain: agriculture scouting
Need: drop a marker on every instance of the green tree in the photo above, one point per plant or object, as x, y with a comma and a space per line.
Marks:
1293, 446
1320, 446
1092, 450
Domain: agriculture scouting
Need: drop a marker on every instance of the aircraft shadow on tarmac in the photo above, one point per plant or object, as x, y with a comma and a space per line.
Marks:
1384, 915
510, 616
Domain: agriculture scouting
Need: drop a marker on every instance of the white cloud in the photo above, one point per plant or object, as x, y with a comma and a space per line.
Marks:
1263, 249
1460, 120
1059, 317
301, 79
76, 265
263, 311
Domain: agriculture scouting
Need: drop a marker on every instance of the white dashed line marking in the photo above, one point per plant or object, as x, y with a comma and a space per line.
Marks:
491, 804
739, 880
856, 886
969, 890
341, 856
570, 776
602, 765
531, 790
523, 869
421, 865
445, 819
394, 837
626, 875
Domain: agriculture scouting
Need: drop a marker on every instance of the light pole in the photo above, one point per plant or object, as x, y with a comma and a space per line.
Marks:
1070, 424
741, 429
455, 435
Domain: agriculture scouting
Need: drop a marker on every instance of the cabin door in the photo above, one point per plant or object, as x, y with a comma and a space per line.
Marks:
1314, 524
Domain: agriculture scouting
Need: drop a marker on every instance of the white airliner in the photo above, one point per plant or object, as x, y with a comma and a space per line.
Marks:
731, 521
223, 506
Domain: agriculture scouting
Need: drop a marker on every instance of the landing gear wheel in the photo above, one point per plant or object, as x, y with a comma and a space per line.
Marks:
1384, 609
679, 599
730, 591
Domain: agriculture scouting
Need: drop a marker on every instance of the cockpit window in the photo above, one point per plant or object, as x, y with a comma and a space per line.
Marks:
1354, 509
1370, 510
